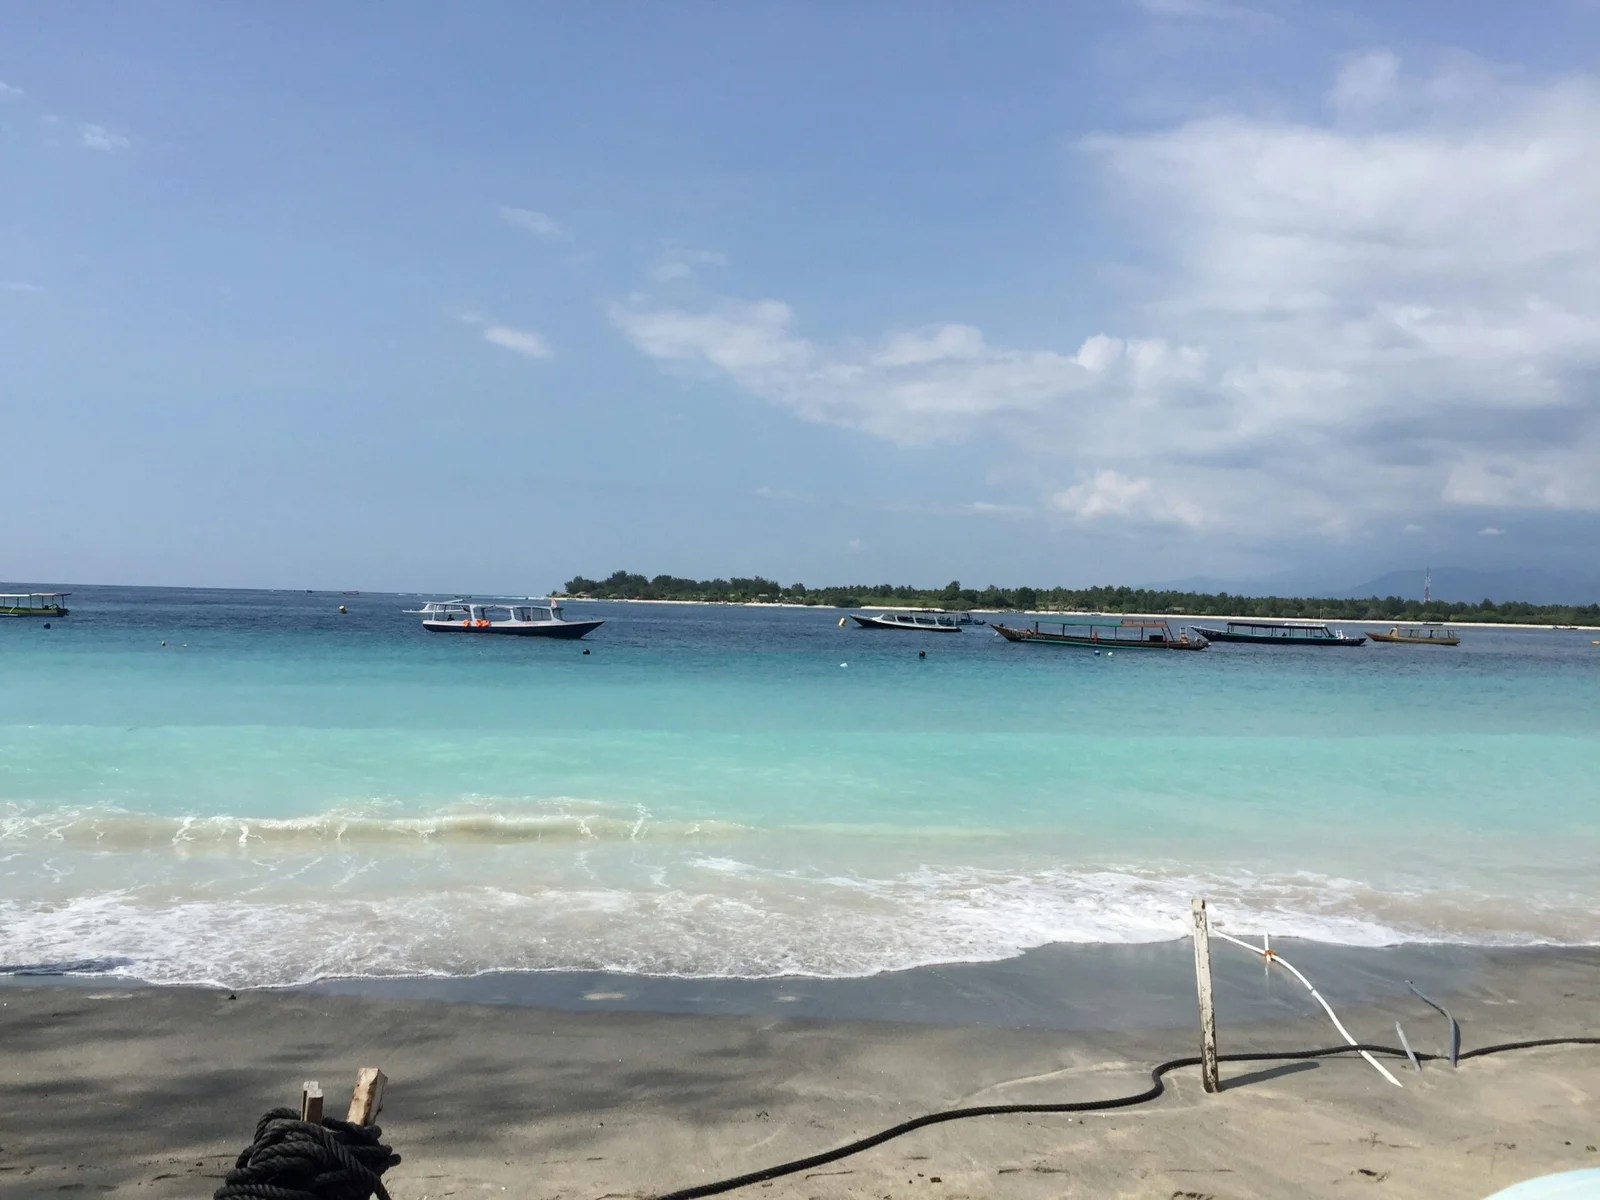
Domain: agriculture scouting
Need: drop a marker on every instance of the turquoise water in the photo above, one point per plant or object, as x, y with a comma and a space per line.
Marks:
283, 792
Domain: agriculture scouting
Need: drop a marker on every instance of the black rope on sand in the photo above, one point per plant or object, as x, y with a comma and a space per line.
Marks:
1153, 1092
292, 1159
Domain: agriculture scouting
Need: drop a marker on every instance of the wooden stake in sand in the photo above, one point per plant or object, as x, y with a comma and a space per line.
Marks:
368, 1096
311, 1101
1208, 1015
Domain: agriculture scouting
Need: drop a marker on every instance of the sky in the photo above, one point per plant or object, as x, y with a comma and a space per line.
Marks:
481, 297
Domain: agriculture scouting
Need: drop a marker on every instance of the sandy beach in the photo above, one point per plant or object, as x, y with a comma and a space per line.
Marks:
153, 1091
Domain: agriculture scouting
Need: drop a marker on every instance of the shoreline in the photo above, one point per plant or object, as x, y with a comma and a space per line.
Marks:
1111, 986
157, 1090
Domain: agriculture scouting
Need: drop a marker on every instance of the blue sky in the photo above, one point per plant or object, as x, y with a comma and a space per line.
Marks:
484, 296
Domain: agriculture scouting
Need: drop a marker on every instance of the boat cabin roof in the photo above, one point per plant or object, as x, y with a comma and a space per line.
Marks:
33, 595
1113, 622
434, 608
1277, 625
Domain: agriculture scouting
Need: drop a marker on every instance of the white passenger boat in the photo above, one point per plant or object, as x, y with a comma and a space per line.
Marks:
524, 618
915, 620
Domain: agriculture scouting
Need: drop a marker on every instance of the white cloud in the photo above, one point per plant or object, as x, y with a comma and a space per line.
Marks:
534, 222
1398, 313
853, 545
987, 508
680, 263
1110, 494
1413, 529
98, 137
16, 285
7, 90
1366, 84
524, 341
1491, 531
915, 387
794, 497
1204, 10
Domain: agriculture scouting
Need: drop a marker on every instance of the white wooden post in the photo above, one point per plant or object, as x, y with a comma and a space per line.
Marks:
1208, 1016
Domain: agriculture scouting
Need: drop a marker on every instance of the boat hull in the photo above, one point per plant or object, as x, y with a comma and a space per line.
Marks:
33, 612
1222, 635
1090, 643
547, 629
1403, 640
874, 623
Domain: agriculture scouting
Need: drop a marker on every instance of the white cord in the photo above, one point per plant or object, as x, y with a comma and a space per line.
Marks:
1272, 956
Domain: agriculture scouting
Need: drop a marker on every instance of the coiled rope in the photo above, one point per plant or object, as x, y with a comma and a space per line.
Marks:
292, 1159
1154, 1091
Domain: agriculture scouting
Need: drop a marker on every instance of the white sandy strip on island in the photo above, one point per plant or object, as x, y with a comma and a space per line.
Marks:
156, 1090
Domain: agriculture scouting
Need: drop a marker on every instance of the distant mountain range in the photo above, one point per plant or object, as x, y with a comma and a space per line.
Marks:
1452, 584
1461, 584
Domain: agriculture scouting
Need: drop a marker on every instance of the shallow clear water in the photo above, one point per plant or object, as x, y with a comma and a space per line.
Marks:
283, 792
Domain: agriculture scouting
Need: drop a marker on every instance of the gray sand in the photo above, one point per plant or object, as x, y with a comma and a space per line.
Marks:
152, 1091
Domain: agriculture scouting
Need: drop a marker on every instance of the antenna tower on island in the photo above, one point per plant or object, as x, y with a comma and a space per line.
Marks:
1427, 585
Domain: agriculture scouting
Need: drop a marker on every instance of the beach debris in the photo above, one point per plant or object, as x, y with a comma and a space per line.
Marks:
311, 1101
1455, 1026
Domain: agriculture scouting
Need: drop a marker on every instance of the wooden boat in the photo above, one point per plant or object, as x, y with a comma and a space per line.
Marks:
1419, 635
914, 621
1104, 633
33, 604
1279, 633
543, 619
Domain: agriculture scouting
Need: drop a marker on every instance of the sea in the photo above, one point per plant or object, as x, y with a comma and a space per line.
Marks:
255, 788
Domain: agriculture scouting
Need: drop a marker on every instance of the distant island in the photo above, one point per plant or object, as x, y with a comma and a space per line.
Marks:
622, 585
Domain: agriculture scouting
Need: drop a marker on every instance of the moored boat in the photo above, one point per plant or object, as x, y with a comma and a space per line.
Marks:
1104, 633
521, 619
1419, 635
916, 620
1279, 633
33, 604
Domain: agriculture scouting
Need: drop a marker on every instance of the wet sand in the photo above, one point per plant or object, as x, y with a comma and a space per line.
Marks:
153, 1091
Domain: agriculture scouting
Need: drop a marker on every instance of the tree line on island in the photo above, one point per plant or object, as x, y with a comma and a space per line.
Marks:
623, 585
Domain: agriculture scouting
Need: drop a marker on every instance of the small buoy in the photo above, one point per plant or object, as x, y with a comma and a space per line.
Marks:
586, 651
47, 624
841, 622
922, 654
1109, 653
844, 664
1097, 654
163, 643
343, 609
